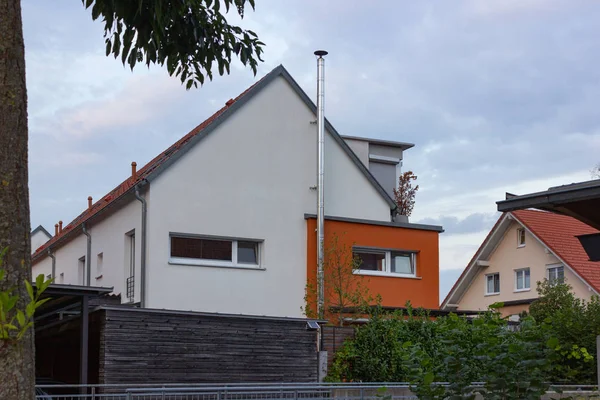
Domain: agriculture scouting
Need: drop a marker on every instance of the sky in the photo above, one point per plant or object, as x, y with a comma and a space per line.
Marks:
497, 95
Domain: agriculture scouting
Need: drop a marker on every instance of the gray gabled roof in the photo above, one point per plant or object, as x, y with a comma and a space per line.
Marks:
40, 229
279, 71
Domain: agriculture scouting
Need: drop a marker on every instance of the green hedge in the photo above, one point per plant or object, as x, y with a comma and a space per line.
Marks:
554, 344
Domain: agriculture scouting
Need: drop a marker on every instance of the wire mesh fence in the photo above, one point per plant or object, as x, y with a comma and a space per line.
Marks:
373, 391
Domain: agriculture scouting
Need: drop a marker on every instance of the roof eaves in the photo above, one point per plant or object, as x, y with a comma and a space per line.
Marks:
558, 194
383, 142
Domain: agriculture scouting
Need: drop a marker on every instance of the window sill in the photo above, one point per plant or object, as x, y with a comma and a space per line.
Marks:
492, 294
386, 274
522, 290
192, 263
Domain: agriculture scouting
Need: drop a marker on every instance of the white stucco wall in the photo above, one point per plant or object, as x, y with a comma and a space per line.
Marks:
44, 267
360, 148
38, 239
251, 177
506, 258
67, 262
108, 238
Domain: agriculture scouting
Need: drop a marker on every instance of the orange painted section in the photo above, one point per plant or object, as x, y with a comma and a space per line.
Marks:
395, 291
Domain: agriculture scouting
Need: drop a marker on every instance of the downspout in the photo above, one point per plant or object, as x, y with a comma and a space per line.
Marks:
320, 180
88, 257
53, 257
143, 248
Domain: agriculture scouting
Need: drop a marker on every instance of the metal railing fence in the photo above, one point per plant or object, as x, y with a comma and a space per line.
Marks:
283, 391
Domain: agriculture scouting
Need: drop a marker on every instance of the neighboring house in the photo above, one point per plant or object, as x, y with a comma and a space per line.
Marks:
38, 237
229, 215
523, 248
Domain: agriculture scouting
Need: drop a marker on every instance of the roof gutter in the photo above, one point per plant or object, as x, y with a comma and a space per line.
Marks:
143, 245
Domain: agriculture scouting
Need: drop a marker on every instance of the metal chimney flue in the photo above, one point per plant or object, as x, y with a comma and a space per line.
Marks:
320, 180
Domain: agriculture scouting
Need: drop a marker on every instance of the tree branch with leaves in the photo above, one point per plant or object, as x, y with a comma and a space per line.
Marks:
345, 292
188, 36
404, 194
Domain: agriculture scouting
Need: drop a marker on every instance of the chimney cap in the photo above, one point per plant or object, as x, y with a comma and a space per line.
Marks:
321, 53
89, 197
133, 164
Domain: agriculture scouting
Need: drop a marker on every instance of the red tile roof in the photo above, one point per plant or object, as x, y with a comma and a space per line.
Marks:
559, 233
129, 183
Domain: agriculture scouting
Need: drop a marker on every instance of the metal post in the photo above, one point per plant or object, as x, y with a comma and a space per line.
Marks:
320, 179
598, 360
93, 392
83, 340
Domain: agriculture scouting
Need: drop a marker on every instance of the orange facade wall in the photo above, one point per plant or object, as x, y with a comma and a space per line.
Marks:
395, 291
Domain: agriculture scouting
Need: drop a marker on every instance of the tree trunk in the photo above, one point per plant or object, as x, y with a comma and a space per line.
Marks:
17, 369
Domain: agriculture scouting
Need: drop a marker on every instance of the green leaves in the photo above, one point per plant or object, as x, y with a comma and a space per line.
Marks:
16, 313
188, 36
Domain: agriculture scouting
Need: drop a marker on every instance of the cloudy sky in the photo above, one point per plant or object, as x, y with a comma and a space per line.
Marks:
497, 96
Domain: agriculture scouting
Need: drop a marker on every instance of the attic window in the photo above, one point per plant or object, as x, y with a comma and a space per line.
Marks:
520, 237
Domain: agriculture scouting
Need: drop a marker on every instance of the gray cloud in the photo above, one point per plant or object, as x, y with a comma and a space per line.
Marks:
476, 222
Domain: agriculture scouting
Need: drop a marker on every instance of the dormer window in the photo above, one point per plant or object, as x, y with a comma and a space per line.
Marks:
520, 237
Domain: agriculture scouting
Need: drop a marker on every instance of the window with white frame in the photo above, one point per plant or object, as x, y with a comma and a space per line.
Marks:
492, 283
385, 262
521, 237
212, 251
522, 279
556, 274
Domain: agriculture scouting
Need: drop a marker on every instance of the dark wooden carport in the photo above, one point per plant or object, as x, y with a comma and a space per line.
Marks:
578, 200
69, 303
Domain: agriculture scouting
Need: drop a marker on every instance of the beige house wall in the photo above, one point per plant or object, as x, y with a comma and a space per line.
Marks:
506, 259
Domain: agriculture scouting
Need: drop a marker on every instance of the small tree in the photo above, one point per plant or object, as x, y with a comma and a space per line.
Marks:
404, 195
575, 323
344, 291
